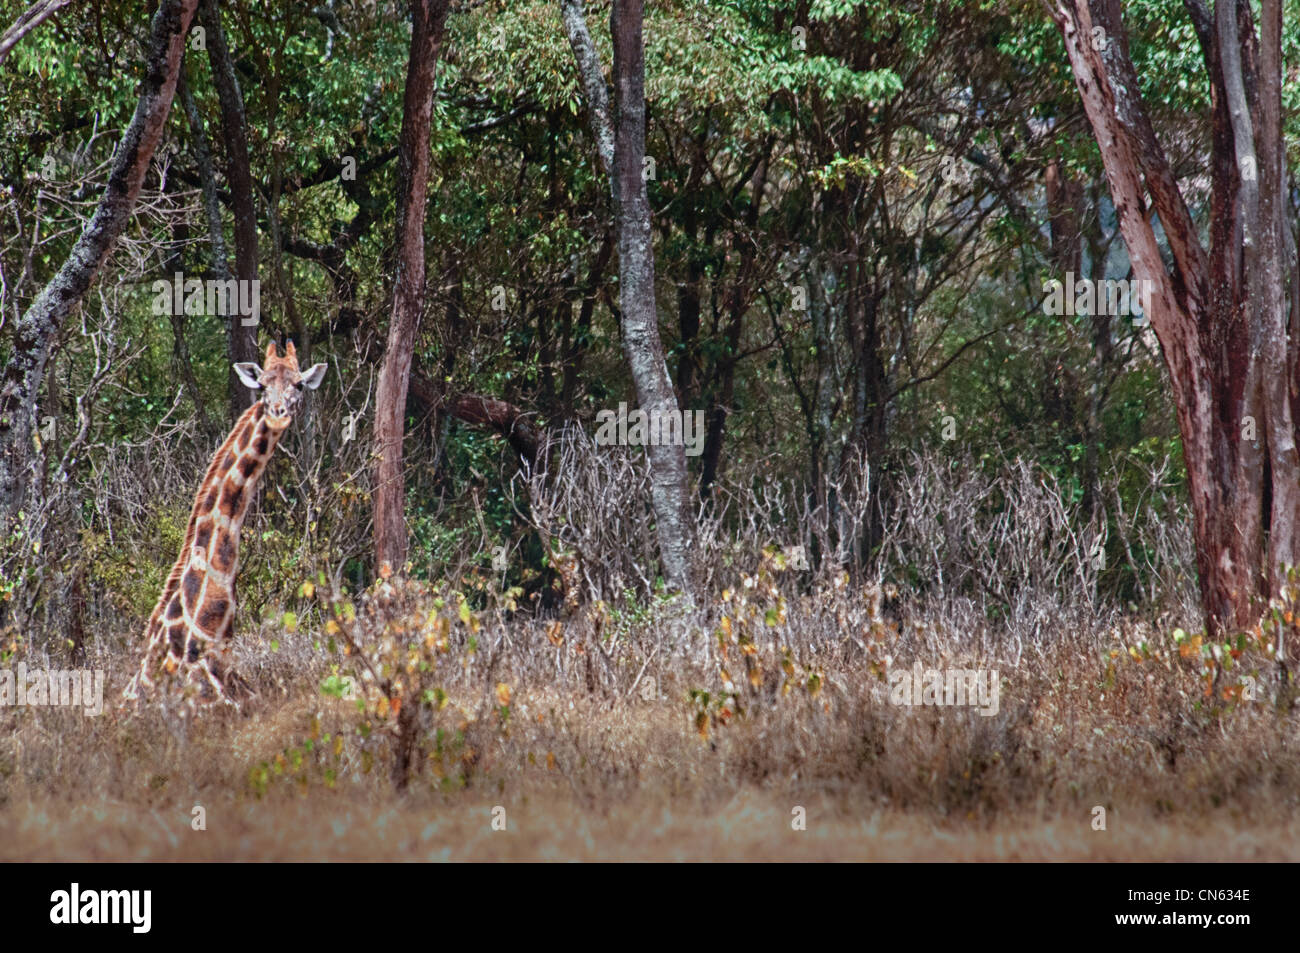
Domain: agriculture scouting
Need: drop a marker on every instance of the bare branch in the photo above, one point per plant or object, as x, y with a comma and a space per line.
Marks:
34, 16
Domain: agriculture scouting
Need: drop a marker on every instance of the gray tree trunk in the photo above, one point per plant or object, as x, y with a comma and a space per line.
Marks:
36, 332
622, 150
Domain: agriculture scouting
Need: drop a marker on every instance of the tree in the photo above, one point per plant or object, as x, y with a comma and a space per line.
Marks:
30, 19
621, 146
1220, 314
41, 324
429, 18
242, 338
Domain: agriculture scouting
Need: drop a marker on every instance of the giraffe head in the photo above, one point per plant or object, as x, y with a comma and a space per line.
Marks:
281, 383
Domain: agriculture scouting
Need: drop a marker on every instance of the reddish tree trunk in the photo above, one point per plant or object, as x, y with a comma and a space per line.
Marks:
428, 20
1220, 315
499, 416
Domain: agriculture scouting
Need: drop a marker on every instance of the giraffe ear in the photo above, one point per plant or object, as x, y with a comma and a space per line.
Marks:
311, 380
248, 372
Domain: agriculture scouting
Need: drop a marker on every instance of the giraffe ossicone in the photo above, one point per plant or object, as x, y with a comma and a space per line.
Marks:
190, 634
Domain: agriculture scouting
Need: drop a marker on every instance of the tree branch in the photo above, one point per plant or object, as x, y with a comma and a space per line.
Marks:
34, 16
593, 80
35, 334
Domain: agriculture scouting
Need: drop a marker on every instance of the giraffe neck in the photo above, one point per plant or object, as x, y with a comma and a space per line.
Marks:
227, 490
195, 614
205, 572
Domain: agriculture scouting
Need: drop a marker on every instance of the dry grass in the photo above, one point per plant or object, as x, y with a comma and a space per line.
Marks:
586, 769
633, 729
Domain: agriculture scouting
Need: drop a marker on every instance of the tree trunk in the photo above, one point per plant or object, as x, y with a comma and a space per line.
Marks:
241, 338
428, 19
579, 339
622, 150
1220, 317
175, 262
689, 290
593, 80
35, 333
636, 293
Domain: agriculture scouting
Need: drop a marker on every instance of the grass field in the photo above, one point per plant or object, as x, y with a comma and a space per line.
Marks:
584, 750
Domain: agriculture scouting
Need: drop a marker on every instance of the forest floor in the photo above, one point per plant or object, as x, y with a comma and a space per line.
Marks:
751, 825
575, 774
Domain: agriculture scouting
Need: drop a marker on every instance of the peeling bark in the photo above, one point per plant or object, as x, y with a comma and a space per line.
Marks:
1220, 316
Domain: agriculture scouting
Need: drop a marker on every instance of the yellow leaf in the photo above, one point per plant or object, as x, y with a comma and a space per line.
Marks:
503, 693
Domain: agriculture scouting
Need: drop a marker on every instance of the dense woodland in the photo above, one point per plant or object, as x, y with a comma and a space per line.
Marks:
834, 232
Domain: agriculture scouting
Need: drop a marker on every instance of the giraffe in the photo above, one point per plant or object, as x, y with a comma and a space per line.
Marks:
191, 630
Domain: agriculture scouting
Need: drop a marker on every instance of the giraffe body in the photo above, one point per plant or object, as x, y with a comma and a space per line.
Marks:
190, 633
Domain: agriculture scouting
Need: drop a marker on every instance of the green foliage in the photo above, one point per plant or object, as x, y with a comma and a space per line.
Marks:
313, 763
131, 570
846, 106
394, 654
